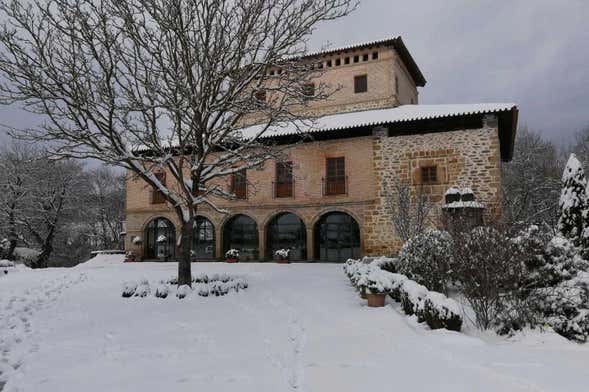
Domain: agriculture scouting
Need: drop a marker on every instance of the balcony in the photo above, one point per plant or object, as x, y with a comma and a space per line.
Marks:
335, 185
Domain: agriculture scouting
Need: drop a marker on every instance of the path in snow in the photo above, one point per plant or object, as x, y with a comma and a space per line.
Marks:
17, 308
298, 327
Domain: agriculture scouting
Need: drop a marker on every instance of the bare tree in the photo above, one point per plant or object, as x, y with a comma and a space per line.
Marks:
106, 207
15, 191
531, 181
56, 184
175, 79
409, 208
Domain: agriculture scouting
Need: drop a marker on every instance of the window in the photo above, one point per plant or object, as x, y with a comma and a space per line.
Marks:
429, 174
260, 95
309, 90
284, 180
347, 60
320, 65
360, 84
374, 55
272, 73
239, 184
157, 197
365, 57
329, 63
335, 180
356, 58
338, 62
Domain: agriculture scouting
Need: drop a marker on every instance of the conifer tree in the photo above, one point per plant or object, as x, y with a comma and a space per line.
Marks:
573, 203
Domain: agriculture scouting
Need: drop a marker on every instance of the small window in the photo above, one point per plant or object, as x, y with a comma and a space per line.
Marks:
365, 57
360, 84
329, 63
320, 65
272, 73
260, 95
338, 62
429, 174
335, 180
239, 184
347, 60
356, 58
309, 90
157, 197
374, 55
284, 180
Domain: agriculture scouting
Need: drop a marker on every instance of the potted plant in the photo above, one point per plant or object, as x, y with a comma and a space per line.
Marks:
232, 256
130, 257
282, 255
377, 286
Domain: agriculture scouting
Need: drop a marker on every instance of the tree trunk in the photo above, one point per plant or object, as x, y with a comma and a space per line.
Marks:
12, 237
184, 267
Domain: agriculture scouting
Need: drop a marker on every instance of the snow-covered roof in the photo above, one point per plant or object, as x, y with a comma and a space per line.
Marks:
371, 118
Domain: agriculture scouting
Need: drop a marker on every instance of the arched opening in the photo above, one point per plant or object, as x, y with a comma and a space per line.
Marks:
286, 231
241, 233
203, 239
337, 237
160, 240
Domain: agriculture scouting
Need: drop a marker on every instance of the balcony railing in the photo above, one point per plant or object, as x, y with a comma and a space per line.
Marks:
283, 189
336, 185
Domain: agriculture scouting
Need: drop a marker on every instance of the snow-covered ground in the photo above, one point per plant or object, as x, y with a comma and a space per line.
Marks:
298, 327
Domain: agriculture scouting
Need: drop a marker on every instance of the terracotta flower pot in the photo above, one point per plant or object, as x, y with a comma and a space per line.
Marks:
375, 300
233, 260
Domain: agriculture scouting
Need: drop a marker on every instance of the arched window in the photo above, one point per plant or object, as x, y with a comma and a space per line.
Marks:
203, 239
241, 233
286, 231
337, 237
160, 240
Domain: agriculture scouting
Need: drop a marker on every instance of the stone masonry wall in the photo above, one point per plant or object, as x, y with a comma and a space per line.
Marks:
465, 158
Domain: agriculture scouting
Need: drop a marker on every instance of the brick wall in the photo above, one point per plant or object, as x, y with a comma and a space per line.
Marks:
308, 201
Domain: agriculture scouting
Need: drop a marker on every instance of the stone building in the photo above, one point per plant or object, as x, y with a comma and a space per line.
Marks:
327, 202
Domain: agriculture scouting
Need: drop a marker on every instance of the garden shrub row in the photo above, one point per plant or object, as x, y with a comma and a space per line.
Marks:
205, 286
431, 307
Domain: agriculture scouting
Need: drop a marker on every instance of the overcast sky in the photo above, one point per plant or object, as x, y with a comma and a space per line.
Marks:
531, 52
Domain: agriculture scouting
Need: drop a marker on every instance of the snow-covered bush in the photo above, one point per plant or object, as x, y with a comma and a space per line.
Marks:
202, 284
6, 264
435, 309
573, 203
412, 296
143, 289
439, 311
283, 253
162, 290
386, 263
427, 259
232, 254
129, 289
183, 291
